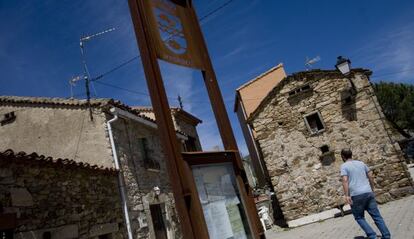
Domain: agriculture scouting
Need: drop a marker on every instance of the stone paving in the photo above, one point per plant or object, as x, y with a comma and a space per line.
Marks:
399, 216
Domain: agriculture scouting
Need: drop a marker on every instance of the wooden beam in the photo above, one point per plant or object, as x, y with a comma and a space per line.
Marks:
187, 202
226, 131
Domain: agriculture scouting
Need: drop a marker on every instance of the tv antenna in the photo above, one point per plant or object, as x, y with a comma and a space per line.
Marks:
72, 83
310, 62
180, 102
86, 75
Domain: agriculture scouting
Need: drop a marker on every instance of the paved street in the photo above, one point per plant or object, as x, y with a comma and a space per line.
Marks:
399, 215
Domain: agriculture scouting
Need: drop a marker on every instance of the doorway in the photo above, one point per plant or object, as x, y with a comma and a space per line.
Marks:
158, 221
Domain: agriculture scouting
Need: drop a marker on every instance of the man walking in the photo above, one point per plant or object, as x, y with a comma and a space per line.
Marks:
358, 184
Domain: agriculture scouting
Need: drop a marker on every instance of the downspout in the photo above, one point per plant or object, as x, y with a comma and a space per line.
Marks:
121, 183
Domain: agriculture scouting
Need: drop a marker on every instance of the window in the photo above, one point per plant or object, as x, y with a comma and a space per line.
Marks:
190, 144
349, 111
6, 234
105, 236
325, 149
149, 162
327, 157
298, 90
299, 94
8, 221
47, 235
8, 118
314, 123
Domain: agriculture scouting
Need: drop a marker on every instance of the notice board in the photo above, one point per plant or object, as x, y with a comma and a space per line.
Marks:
221, 202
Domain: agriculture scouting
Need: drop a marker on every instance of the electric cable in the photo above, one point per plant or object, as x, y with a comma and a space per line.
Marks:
138, 56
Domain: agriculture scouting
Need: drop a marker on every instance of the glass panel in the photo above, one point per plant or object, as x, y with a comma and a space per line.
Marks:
220, 198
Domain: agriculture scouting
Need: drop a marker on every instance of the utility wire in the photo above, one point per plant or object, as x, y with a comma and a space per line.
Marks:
138, 56
115, 68
215, 10
121, 88
125, 63
246, 99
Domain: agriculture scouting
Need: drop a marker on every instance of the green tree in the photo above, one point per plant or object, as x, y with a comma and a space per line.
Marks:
397, 102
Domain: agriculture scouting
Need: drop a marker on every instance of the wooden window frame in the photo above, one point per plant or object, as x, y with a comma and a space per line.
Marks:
308, 126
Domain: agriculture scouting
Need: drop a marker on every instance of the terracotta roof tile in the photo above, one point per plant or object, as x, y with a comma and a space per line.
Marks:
34, 157
99, 102
174, 110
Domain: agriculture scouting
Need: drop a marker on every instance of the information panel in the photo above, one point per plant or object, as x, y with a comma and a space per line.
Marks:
220, 198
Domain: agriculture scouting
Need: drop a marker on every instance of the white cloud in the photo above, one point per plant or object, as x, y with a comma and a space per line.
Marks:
390, 54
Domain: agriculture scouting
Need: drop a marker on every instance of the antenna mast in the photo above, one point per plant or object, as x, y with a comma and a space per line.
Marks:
310, 62
86, 75
180, 102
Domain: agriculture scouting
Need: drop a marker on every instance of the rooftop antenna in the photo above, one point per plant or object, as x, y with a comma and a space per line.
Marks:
310, 62
86, 75
180, 102
72, 83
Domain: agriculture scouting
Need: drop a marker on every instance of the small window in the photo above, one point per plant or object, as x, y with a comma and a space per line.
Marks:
348, 106
299, 94
327, 157
105, 236
47, 235
8, 118
298, 90
149, 162
325, 149
314, 123
190, 144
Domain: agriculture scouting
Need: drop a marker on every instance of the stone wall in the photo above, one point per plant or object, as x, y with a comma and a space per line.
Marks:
67, 132
67, 200
187, 129
306, 180
58, 131
140, 180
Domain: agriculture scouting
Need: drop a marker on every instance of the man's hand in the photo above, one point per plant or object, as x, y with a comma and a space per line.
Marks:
346, 189
348, 200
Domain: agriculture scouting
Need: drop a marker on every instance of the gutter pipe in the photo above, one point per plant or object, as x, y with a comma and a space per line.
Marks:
121, 183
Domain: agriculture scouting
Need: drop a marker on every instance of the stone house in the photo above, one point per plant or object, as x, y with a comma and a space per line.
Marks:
302, 125
60, 198
248, 98
76, 129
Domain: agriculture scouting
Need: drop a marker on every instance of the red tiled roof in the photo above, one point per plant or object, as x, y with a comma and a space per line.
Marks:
65, 163
99, 103
174, 110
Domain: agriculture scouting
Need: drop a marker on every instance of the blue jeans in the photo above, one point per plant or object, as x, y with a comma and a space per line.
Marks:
366, 201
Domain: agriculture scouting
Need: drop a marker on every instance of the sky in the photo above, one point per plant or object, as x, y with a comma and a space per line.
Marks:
39, 48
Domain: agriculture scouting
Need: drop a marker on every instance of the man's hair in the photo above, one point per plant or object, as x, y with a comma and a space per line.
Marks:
346, 153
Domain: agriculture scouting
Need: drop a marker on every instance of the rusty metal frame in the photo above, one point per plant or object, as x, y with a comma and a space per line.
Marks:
183, 186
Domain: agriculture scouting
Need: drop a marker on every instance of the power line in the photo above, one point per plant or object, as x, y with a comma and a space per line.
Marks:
138, 56
215, 10
121, 88
112, 70
115, 68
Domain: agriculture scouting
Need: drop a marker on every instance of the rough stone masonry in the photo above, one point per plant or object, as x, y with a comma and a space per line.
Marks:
303, 124
61, 197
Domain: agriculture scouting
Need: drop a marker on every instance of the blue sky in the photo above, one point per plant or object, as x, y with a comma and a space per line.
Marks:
39, 47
